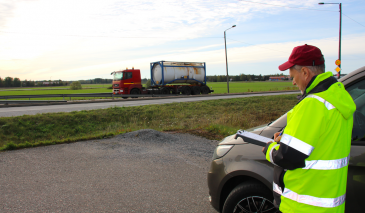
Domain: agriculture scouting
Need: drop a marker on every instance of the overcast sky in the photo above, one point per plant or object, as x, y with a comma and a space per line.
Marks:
86, 39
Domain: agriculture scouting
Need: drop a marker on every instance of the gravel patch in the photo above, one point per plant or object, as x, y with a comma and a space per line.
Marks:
141, 171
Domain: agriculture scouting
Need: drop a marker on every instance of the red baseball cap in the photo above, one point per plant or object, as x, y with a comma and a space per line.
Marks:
305, 55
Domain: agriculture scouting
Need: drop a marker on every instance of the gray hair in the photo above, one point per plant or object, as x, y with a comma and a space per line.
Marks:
315, 69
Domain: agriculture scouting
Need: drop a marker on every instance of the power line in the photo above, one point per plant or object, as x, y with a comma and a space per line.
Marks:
257, 45
352, 19
301, 8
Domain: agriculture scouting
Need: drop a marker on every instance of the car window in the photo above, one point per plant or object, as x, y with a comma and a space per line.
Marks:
357, 92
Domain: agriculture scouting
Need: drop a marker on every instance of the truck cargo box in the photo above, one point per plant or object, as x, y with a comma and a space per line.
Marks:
169, 72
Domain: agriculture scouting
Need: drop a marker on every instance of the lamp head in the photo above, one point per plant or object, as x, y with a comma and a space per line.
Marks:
321, 3
234, 26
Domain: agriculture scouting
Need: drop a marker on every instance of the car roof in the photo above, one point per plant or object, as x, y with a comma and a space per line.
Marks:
356, 74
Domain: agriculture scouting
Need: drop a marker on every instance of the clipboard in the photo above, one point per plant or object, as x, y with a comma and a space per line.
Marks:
253, 138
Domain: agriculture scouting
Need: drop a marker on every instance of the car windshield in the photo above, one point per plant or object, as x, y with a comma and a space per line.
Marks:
118, 76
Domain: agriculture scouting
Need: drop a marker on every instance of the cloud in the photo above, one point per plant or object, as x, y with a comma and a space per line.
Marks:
75, 39
272, 54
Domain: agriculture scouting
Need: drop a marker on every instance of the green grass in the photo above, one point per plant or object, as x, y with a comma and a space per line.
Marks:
218, 87
58, 91
89, 86
212, 119
254, 86
61, 91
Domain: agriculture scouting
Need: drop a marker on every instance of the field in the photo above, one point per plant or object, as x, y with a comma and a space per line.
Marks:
218, 87
86, 86
254, 86
211, 119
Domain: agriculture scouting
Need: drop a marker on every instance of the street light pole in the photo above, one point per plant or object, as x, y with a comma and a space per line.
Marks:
339, 42
225, 47
339, 46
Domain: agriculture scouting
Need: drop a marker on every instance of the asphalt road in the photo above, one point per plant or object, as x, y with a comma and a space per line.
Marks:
142, 171
32, 110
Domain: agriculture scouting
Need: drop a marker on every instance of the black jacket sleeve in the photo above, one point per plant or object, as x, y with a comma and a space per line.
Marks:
287, 157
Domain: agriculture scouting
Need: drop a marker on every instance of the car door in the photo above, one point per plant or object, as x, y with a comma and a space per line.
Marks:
356, 172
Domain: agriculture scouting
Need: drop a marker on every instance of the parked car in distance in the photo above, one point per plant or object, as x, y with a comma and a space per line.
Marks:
240, 178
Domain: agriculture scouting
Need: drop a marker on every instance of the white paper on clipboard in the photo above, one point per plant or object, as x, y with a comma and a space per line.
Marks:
253, 138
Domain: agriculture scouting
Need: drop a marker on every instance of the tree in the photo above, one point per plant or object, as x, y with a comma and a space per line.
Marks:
148, 83
1, 82
219, 78
17, 82
8, 82
260, 77
144, 80
76, 85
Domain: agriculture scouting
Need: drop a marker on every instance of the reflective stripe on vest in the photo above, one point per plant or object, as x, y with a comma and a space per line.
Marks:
297, 144
328, 105
310, 200
272, 149
277, 188
327, 164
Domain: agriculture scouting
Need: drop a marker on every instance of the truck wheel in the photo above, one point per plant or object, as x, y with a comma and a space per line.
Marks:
195, 90
250, 197
135, 92
204, 90
165, 91
186, 90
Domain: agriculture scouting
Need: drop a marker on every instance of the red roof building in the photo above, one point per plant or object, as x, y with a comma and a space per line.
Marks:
278, 78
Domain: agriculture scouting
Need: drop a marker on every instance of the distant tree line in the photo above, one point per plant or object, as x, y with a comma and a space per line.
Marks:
96, 81
16, 82
240, 77
10, 82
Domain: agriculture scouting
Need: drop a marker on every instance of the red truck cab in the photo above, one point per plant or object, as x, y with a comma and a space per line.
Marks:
127, 82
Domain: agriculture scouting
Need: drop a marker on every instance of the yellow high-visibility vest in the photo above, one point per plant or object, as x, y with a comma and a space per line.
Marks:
319, 127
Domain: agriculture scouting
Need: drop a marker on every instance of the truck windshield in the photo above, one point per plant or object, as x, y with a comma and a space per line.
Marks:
118, 76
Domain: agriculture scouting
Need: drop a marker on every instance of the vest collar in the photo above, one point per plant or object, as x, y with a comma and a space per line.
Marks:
318, 83
316, 80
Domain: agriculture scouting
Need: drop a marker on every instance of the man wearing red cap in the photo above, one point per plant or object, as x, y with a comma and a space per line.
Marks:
312, 153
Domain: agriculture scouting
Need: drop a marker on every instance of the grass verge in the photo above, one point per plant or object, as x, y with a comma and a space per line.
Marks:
211, 119
218, 87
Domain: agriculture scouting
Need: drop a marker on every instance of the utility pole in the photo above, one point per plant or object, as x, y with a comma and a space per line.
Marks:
225, 47
338, 62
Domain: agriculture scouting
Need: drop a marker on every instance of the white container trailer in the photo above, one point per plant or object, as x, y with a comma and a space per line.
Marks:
167, 75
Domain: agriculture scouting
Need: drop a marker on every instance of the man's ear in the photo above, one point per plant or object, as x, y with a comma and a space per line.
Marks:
306, 72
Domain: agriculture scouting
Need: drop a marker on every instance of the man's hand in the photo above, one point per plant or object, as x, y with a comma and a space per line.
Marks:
267, 145
277, 137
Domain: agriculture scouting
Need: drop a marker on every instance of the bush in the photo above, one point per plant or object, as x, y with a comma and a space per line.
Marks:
148, 83
75, 85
